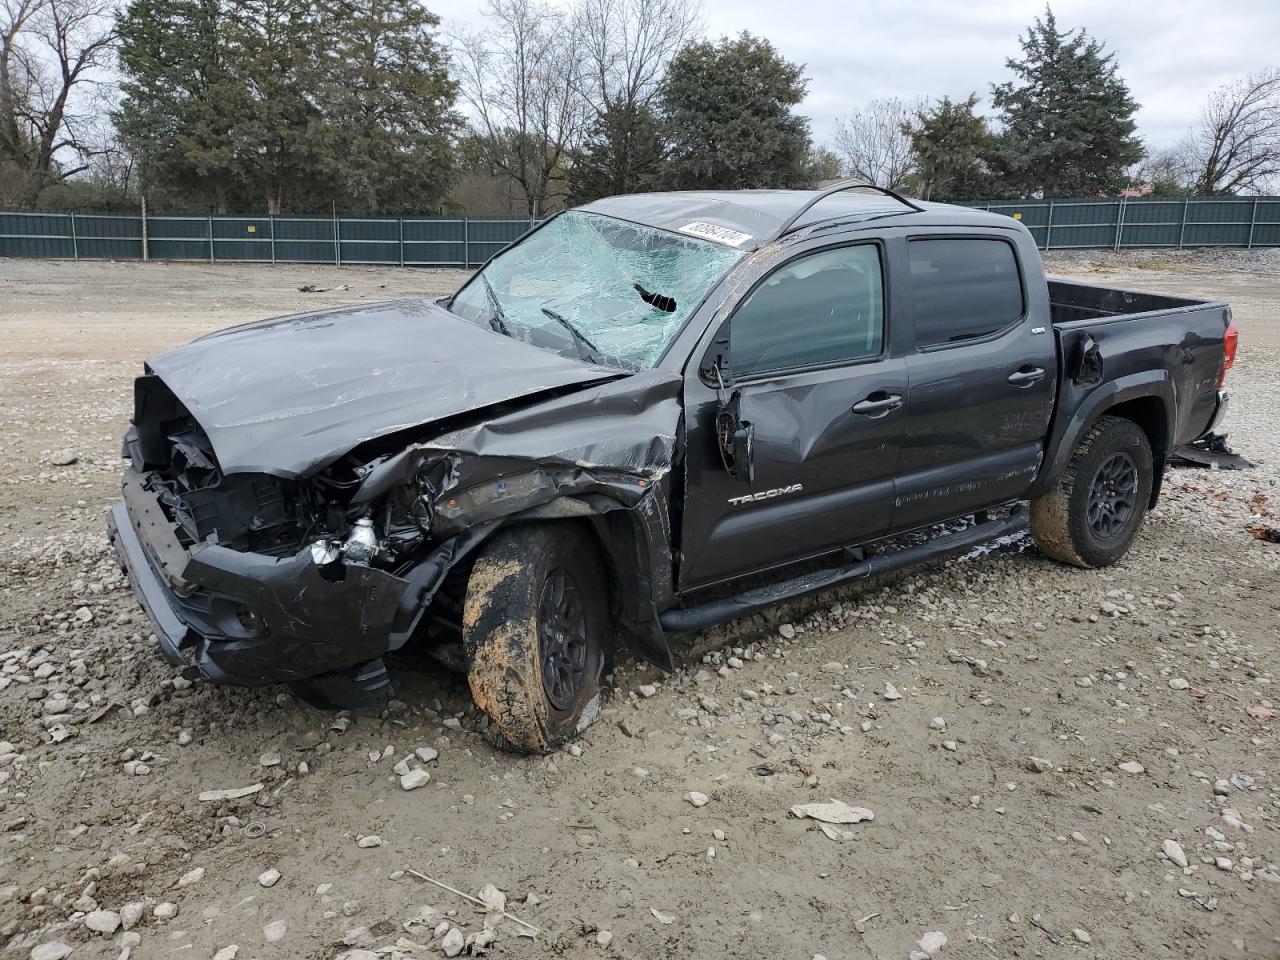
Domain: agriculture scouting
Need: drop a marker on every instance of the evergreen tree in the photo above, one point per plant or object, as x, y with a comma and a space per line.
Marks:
387, 104
727, 117
180, 98
286, 104
952, 146
1068, 116
275, 47
622, 153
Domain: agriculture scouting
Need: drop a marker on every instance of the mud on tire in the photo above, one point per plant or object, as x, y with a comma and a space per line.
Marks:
1091, 516
537, 634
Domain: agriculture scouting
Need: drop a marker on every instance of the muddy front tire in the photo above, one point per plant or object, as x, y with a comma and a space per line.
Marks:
536, 631
1091, 516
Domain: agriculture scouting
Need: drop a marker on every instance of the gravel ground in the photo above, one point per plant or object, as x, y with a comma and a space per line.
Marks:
1060, 763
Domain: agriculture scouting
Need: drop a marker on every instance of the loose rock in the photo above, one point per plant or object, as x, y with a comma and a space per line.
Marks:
1173, 850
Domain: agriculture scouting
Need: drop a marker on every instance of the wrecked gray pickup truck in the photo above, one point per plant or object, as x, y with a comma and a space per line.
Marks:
648, 415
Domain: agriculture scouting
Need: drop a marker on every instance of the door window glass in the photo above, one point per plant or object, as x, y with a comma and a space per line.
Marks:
822, 308
963, 289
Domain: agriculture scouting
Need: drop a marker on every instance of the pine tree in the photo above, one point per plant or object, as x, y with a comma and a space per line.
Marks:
275, 48
387, 102
621, 153
952, 146
727, 116
1068, 116
181, 99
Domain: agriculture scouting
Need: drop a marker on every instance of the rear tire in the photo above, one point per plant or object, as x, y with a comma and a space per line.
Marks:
1089, 519
536, 631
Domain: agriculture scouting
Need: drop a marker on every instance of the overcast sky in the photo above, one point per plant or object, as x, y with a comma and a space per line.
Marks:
1171, 53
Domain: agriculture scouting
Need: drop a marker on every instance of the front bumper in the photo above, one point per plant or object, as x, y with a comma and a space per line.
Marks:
250, 619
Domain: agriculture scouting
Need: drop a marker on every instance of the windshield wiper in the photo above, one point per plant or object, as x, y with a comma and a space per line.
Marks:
586, 349
498, 319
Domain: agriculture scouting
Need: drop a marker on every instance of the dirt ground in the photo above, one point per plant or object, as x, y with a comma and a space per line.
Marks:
1165, 663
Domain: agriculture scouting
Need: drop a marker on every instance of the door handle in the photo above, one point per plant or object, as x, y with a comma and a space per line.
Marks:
1026, 376
879, 406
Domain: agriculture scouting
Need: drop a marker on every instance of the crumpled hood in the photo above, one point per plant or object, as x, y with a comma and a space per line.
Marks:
289, 396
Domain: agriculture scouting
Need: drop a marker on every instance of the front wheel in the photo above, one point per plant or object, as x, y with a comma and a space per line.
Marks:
1091, 516
536, 631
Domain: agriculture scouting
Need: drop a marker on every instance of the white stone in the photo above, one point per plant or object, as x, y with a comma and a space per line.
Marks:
105, 922
932, 942
1132, 766
165, 911
131, 913
269, 878
1173, 850
696, 798
426, 754
274, 931
604, 938
453, 942
1177, 683
227, 953
373, 840
191, 876
53, 950
891, 692
414, 779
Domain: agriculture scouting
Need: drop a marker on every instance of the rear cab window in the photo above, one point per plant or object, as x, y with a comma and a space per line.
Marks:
963, 289
821, 308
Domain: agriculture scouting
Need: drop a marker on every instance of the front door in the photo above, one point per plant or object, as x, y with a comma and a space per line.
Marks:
809, 355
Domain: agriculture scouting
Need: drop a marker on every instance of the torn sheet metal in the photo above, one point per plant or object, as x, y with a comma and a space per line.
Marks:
289, 396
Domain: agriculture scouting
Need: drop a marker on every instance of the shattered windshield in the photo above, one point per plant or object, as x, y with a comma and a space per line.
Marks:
605, 290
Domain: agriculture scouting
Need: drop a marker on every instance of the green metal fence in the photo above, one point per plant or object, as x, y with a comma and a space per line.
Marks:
398, 241
1056, 224
1085, 223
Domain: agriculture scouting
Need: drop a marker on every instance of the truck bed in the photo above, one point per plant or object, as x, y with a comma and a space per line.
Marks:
1071, 301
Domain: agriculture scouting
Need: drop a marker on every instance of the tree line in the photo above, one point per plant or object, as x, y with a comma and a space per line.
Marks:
368, 106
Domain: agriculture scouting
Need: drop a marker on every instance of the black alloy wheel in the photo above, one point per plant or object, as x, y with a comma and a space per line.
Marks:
1113, 495
562, 636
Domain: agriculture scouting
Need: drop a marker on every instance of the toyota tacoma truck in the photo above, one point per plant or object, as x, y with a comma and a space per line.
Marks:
650, 414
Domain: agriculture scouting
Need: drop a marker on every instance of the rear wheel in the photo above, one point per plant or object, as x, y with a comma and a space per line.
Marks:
1091, 517
536, 632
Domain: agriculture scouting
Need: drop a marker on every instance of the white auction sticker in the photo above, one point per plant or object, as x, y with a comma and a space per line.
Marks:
710, 231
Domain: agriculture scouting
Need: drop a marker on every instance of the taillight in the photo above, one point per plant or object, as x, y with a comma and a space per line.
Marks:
1230, 343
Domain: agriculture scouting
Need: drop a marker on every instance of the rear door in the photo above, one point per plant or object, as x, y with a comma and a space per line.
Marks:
810, 355
983, 371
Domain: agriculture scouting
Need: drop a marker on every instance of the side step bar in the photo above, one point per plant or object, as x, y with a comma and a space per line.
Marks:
690, 619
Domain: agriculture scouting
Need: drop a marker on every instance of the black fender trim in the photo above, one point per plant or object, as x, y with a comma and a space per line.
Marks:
1066, 433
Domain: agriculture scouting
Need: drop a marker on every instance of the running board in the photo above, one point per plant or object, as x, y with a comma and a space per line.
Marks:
689, 619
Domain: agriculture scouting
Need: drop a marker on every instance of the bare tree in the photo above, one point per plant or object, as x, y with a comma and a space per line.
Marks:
1236, 146
627, 45
874, 144
15, 66
50, 55
522, 77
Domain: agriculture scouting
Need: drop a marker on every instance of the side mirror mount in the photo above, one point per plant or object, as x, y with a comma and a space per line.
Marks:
735, 437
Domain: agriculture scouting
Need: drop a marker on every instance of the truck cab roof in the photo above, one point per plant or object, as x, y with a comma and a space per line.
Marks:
749, 219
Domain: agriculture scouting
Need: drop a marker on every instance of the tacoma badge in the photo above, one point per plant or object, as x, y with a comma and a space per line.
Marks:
766, 494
